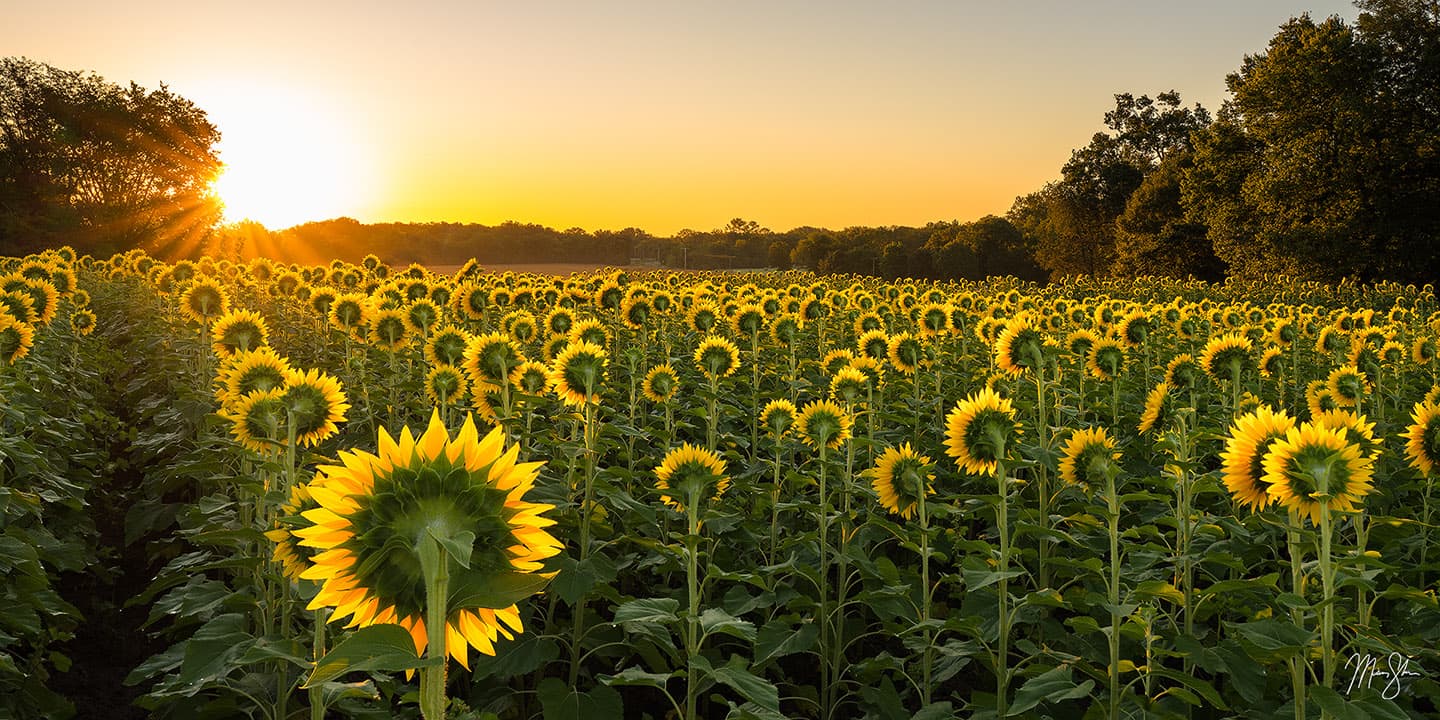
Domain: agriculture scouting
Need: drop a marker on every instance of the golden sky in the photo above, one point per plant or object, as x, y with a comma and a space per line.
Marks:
658, 115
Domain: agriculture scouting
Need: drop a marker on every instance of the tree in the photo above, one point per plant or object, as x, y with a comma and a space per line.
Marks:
102, 167
1153, 236
1325, 162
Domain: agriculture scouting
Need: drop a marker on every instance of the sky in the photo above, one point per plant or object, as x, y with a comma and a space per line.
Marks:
658, 115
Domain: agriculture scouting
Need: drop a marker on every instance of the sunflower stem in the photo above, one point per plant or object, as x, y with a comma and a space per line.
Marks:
1042, 483
824, 568
317, 697
435, 564
1297, 586
927, 658
692, 617
1327, 589
577, 629
1112, 501
1002, 653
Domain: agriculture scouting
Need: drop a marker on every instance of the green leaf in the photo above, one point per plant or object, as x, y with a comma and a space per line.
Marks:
1160, 589
500, 590
1204, 689
663, 611
559, 701
211, 652
1334, 705
935, 711
458, 545
1273, 638
574, 581
715, 620
1052, 686
381, 648
636, 677
779, 638
750, 687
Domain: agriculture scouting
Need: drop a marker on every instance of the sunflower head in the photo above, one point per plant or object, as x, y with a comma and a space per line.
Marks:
1423, 436
717, 357
873, 344
777, 417
447, 346
1159, 409
978, 431
660, 384
849, 385
16, 339
203, 301
293, 558
906, 353
591, 331
247, 372
1315, 466
491, 357
531, 377
445, 385
688, 474
258, 421
822, 423
1020, 346
785, 329
315, 404
82, 321
1347, 385
1088, 458
378, 511
238, 331
1243, 458
422, 316
1106, 359
836, 359
578, 373
899, 477
19, 305
1227, 356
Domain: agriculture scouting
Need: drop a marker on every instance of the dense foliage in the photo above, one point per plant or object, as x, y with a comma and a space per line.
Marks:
772, 495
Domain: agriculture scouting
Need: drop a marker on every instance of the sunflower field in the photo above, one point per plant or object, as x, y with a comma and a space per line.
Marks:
355, 491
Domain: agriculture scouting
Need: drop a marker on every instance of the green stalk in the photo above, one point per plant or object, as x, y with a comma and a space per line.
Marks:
1327, 589
825, 689
692, 618
1042, 473
577, 629
710, 429
926, 659
1002, 655
1112, 501
317, 696
1297, 586
437, 592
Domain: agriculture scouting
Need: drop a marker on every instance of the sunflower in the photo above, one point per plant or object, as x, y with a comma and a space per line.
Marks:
1347, 385
849, 385
873, 370
778, 416
717, 357
82, 321
690, 472
836, 359
1078, 344
1330, 340
873, 344
978, 431
447, 346
1243, 458
898, 478
204, 301
578, 372
823, 423
1019, 346
1227, 356
559, 321
389, 329
258, 420
591, 331
315, 404
1423, 448
250, 371
1085, 454
702, 317
19, 305
1423, 350
293, 558
1106, 359
785, 329
660, 384
1314, 465
1133, 329
347, 314
490, 358
421, 316
1270, 362
321, 299
1358, 429
868, 321
1318, 398
531, 377
16, 339
445, 384
238, 331
378, 511
1158, 409
906, 353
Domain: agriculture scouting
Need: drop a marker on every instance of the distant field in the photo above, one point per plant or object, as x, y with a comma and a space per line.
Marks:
537, 268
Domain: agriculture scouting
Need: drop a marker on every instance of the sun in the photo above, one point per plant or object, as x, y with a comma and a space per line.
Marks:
288, 160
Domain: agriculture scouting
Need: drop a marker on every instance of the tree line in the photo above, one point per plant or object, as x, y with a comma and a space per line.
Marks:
1324, 163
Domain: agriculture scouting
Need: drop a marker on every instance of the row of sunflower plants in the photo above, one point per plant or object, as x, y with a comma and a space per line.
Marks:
54, 441
1151, 498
